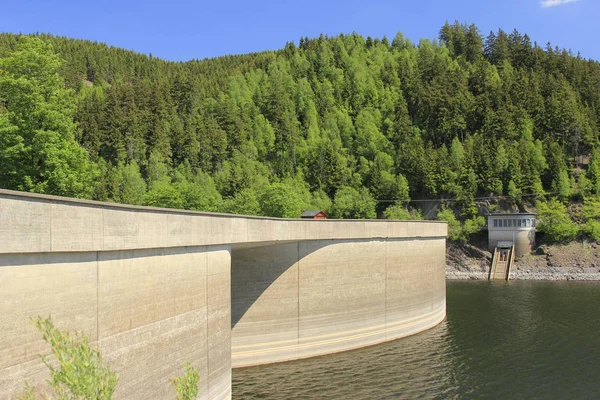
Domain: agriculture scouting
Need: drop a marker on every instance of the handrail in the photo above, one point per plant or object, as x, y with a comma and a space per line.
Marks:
512, 259
494, 263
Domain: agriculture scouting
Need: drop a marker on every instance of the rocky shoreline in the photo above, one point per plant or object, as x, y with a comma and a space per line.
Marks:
540, 274
571, 262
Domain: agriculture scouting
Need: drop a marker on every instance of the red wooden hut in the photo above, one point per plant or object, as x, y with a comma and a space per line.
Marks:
314, 214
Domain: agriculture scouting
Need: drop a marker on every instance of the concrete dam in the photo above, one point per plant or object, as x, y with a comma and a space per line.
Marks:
156, 288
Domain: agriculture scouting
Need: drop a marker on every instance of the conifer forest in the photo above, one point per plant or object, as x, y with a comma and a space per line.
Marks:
358, 127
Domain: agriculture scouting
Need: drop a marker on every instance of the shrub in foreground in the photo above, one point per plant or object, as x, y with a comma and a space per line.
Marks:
186, 385
78, 373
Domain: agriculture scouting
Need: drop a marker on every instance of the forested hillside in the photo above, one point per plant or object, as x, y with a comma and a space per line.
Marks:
355, 126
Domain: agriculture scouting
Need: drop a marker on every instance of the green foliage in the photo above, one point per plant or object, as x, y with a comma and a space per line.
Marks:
279, 200
320, 201
454, 226
593, 172
163, 194
186, 385
38, 151
244, 202
562, 185
124, 184
350, 203
76, 369
590, 214
78, 373
592, 229
400, 212
584, 186
28, 393
472, 226
554, 222
514, 192
591, 209
461, 117
198, 190
456, 230
132, 187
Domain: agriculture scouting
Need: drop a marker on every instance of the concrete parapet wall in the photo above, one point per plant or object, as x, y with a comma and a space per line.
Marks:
38, 223
305, 299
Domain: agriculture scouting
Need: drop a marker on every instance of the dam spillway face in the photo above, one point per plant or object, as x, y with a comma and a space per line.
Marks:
298, 300
156, 288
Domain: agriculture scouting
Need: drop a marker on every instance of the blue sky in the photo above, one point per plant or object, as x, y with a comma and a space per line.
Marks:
184, 29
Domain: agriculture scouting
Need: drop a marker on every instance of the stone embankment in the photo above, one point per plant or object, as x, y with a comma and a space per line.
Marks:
574, 261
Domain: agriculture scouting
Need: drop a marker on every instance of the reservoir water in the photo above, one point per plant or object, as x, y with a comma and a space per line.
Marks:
500, 340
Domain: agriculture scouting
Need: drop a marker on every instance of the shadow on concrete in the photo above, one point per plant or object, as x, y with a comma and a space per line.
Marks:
28, 259
254, 269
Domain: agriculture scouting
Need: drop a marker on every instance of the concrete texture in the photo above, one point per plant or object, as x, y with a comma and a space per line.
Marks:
148, 312
219, 322
61, 285
415, 286
523, 239
264, 304
305, 299
342, 295
153, 288
38, 223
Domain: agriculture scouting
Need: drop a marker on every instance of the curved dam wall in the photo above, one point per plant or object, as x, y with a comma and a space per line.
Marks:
147, 311
156, 288
305, 299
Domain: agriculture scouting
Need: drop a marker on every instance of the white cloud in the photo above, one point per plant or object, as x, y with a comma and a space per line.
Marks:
552, 3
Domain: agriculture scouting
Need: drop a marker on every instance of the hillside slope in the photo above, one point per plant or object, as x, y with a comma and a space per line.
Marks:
355, 126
